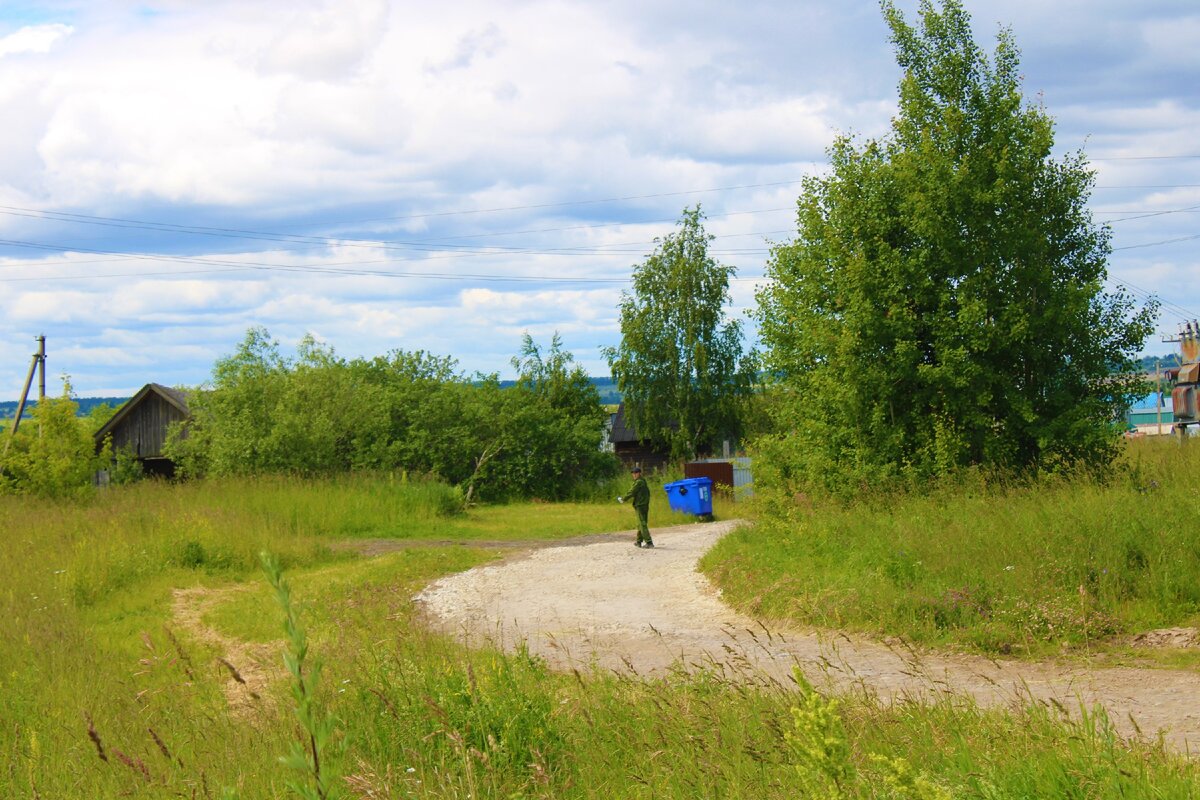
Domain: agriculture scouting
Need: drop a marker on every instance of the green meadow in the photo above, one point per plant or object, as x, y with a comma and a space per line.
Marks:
108, 692
1039, 568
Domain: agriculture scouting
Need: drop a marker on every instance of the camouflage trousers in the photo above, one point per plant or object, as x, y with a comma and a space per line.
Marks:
643, 533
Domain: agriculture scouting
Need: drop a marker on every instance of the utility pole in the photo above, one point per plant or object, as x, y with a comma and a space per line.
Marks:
1158, 400
1186, 394
39, 360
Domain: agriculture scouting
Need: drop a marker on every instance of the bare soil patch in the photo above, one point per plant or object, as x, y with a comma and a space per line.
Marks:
1173, 638
247, 668
604, 603
378, 547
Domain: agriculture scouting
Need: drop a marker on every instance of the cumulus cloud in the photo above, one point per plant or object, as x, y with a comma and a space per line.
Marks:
369, 160
34, 39
474, 44
326, 41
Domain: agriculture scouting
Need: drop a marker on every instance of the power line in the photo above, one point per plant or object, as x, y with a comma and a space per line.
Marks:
569, 203
253, 265
1140, 158
444, 247
610, 249
1147, 214
1159, 242
441, 242
595, 225
207, 230
431, 245
343, 269
233, 232
1149, 186
1175, 308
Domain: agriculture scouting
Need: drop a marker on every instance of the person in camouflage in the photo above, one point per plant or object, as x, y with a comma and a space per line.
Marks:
640, 495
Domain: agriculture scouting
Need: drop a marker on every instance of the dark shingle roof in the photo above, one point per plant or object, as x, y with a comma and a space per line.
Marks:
175, 397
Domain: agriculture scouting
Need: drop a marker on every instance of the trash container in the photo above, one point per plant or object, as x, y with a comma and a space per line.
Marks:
691, 496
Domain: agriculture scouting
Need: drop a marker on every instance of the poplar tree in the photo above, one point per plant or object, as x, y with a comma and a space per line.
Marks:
943, 304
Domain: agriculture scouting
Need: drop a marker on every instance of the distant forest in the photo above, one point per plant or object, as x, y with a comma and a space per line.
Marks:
1169, 360
609, 395
8, 408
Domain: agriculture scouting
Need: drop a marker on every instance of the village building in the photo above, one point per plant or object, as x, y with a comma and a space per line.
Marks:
140, 427
631, 448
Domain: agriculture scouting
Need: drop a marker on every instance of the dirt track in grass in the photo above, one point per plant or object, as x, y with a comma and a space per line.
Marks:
247, 669
600, 602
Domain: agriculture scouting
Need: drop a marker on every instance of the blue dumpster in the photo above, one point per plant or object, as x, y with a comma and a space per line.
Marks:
690, 496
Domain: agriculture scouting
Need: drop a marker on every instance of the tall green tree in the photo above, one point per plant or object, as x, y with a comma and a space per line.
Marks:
556, 423
555, 378
680, 364
943, 303
320, 414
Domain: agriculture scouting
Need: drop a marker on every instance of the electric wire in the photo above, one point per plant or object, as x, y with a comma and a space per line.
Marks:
445, 247
344, 269
1174, 308
1141, 158
1158, 243
1148, 186
429, 245
1148, 214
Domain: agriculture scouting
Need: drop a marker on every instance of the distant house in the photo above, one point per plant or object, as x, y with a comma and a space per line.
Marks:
632, 449
140, 426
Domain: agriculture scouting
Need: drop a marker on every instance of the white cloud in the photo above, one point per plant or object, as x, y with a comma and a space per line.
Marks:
1174, 40
51, 307
314, 117
474, 44
34, 39
326, 41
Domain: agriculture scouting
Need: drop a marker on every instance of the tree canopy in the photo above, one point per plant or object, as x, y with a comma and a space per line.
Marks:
53, 454
943, 303
680, 364
318, 413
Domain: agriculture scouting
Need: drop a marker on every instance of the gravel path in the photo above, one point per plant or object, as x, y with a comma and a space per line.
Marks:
607, 604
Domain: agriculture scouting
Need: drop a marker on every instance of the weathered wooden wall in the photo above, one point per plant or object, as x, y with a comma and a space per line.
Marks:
640, 454
144, 429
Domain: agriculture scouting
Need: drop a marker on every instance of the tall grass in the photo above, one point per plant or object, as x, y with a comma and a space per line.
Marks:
106, 695
1025, 568
432, 722
430, 719
85, 614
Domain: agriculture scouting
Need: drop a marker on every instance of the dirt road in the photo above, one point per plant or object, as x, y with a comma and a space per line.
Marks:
606, 603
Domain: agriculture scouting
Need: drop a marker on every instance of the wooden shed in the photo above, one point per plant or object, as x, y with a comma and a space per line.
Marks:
140, 426
632, 449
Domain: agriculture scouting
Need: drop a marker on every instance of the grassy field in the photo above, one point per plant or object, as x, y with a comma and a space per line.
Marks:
1037, 569
107, 694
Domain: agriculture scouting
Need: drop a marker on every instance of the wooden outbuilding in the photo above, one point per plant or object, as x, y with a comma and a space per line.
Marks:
631, 448
140, 426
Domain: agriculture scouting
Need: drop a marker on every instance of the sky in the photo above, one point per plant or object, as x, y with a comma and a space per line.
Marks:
449, 176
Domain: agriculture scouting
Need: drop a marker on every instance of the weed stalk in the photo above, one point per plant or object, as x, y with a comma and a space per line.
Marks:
308, 757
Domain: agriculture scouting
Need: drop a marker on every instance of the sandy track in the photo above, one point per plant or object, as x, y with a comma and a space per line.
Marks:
608, 604
247, 668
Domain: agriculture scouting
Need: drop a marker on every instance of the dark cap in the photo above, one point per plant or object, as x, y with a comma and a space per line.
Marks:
636, 469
